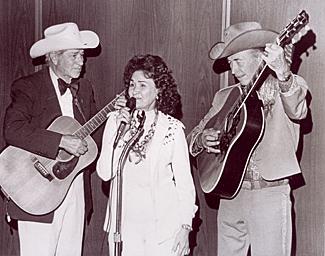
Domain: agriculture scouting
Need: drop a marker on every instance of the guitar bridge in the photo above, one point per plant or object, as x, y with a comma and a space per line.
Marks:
42, 169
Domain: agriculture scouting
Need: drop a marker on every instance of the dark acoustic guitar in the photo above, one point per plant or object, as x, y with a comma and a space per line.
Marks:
241, 122
37, 184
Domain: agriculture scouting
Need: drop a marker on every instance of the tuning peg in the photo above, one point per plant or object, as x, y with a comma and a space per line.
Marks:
300, 34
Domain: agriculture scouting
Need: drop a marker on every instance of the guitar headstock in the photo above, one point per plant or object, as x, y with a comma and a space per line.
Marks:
293, 32
300, 34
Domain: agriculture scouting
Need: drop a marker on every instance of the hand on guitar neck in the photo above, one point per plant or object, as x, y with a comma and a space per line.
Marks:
73, 145
279, 60
209, 140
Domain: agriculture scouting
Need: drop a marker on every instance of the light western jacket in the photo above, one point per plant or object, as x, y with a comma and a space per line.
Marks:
171, 184
275, 155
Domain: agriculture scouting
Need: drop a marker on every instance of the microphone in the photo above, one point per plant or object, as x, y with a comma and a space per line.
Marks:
131, 103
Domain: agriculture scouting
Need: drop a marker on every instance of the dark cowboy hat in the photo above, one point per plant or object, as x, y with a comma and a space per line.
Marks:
239, 37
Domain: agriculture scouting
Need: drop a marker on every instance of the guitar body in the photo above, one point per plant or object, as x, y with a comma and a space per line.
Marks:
36, 193
241, 122
222, 174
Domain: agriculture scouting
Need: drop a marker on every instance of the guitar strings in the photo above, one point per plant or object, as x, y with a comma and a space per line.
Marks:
62, 155
285, 33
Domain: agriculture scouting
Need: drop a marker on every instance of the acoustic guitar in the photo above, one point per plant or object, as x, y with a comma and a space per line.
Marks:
241, 122
38, 185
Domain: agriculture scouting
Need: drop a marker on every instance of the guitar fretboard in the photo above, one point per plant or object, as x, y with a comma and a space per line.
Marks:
97, 119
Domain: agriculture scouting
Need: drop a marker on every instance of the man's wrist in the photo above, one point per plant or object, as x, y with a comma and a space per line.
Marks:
285, 77
286, 82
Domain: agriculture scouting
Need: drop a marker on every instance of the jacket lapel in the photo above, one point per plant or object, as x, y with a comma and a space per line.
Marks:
50, 98
157, 142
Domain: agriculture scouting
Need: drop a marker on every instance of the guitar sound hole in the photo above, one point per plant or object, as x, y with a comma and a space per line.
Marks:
227, 136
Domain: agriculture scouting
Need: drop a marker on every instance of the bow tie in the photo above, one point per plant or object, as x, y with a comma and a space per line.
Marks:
63, 87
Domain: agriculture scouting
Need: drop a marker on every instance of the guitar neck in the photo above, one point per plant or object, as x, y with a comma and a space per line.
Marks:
284, 37
257, 78
98, 119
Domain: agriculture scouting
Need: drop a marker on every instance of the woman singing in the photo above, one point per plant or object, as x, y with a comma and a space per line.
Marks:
158, 198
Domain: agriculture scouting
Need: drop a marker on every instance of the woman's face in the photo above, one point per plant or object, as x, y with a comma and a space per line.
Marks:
143, 90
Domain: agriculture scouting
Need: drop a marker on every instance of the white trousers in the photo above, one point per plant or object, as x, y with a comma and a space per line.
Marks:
62, 237
140, 240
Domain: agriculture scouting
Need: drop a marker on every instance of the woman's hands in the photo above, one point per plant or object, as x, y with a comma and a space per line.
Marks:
181, 244
124, 112
123, 116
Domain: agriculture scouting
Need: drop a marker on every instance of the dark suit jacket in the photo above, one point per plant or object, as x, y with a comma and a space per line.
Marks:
33, 108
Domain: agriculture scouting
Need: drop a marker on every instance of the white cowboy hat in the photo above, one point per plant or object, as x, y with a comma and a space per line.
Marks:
239, 37
63, 37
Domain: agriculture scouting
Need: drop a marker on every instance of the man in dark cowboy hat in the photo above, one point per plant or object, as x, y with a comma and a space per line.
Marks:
258, 214
37, 100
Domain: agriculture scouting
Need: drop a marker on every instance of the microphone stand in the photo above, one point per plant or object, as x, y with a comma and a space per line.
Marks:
119, 180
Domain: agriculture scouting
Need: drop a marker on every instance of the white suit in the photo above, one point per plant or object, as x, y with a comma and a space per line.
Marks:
171, 188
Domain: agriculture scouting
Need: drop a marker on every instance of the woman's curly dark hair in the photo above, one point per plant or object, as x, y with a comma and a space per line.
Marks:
153, 67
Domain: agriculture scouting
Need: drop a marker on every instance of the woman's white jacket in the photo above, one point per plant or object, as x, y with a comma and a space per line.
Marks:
171, 183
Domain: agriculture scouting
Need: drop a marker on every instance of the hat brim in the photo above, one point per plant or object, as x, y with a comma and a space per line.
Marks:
89, 40
248, 40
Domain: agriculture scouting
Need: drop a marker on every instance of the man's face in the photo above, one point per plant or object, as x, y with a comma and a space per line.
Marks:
243, 65
68, 64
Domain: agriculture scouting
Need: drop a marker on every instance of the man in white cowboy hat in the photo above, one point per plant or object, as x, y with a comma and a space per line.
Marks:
258, 214
37, 100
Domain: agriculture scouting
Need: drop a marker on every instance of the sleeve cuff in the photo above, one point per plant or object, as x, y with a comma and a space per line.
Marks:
293, 88
195, 149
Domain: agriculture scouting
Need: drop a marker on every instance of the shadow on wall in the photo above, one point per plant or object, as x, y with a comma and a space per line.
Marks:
306, 125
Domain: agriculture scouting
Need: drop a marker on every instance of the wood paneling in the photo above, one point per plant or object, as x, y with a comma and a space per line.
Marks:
17, 35
181, 32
